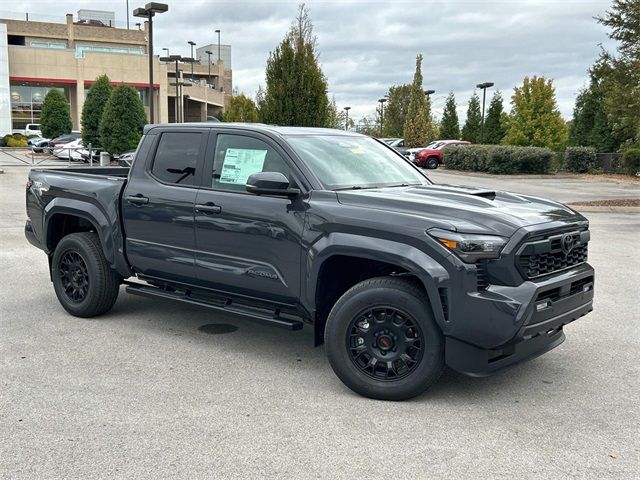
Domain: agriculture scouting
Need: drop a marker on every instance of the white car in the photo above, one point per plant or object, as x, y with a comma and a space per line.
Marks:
72, 149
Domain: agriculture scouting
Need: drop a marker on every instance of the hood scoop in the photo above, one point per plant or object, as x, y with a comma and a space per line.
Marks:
488, 194
476, 192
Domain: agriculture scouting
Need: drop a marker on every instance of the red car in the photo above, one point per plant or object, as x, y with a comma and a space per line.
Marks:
433, 154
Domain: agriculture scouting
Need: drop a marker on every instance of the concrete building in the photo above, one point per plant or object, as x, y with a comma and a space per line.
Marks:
38, 56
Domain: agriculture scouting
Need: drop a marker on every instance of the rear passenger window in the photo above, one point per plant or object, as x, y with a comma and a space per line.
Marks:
239, 156
176, 157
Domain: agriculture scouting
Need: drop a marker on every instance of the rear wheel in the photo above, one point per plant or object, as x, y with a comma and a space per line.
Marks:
382, 341
82, 279
432, 163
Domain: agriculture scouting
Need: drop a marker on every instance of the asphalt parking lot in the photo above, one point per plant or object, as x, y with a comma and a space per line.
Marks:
142, 393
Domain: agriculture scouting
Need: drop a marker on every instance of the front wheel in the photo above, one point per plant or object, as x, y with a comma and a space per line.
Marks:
432, 163
82, 278
382, 341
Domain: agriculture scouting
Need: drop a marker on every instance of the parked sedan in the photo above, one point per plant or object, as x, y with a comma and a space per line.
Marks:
66, 138
71, 150
433, 154
38, 144
397, 144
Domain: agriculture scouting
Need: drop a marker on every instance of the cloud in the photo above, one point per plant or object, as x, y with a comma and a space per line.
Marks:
367, 46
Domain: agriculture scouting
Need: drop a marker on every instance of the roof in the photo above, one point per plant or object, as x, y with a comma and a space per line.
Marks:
260, 127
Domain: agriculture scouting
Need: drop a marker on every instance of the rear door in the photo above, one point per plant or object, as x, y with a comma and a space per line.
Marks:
158, 202
248, 244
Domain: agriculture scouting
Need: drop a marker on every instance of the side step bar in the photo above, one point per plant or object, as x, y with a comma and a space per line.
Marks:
246, 311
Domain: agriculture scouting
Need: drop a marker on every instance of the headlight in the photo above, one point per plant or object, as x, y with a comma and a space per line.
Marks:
469, 246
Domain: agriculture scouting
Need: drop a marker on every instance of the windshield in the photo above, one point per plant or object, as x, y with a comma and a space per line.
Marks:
341, 161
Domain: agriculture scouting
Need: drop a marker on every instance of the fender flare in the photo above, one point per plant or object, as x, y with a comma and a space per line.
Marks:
430, 273
108, 230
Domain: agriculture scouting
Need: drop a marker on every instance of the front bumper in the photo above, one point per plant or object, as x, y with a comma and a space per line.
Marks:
521, 322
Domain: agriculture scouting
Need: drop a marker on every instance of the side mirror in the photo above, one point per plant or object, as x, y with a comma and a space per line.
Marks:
270, 183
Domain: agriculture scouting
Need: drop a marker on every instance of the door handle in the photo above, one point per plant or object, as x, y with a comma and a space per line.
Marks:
137, 199
208, 208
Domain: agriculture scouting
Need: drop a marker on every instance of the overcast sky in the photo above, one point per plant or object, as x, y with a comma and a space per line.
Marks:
367, 46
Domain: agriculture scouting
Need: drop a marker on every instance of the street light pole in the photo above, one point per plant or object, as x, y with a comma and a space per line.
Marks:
192, 45
176, 59
346, 123
149, 10
484, 87
381, 100
209, 53
218, 32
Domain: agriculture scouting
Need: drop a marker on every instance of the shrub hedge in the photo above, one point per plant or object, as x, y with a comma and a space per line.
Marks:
580, 159
13, 141
631, 161
498, 159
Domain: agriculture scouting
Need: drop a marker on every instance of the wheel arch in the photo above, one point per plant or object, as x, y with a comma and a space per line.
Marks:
63, 216
354, 258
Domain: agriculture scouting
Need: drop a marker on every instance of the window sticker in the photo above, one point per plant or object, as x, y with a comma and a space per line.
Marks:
239, 163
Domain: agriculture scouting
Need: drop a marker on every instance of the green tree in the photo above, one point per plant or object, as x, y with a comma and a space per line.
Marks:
535, 119
241, 109
122, 120
589, 125
97, 98
419, 128
55, 119
449, 125
619, 74
335, 117
395, 111
473, 123
494, 130
296, 88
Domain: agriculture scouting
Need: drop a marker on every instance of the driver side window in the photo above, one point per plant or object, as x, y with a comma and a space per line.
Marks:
239, 156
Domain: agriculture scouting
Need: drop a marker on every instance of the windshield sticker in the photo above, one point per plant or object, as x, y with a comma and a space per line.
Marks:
239, 164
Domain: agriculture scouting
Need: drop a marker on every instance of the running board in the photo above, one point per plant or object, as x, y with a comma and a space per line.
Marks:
228, 305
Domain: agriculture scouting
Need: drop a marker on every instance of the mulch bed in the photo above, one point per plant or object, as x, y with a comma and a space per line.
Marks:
625, 202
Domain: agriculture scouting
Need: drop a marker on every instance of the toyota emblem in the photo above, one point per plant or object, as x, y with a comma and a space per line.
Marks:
567, 243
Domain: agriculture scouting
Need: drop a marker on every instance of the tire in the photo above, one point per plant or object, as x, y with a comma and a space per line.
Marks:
432, 163
347, 356
83, 281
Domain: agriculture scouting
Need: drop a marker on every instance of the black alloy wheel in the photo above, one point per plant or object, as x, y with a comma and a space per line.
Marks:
385, 343
74, 276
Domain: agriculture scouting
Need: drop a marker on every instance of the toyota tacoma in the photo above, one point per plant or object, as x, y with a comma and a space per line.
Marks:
396, 275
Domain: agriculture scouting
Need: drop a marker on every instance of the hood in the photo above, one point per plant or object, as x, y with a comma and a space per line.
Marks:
464, 209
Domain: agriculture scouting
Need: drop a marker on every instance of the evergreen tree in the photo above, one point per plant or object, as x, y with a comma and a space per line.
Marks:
97, 98
296, 88
535, 119
473, 123
241, 109
589, 126
494, 130
55, 119
449, 125
418, 128
335, 117
619, 75
122, 120
395, 111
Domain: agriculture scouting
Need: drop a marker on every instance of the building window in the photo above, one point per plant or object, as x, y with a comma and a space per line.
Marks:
81, 49
26, 103
55, 45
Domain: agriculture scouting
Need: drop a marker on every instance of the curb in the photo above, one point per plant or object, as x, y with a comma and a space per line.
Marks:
604, 209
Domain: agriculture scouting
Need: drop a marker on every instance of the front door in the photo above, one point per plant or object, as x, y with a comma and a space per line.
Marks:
246, 243
157, 206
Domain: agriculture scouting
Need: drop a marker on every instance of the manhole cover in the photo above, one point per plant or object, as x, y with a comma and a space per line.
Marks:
217, 328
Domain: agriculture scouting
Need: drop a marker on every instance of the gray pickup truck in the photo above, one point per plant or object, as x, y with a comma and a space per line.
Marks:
397, 276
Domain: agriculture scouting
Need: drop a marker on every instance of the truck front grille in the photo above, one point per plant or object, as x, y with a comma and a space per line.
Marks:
553, 253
